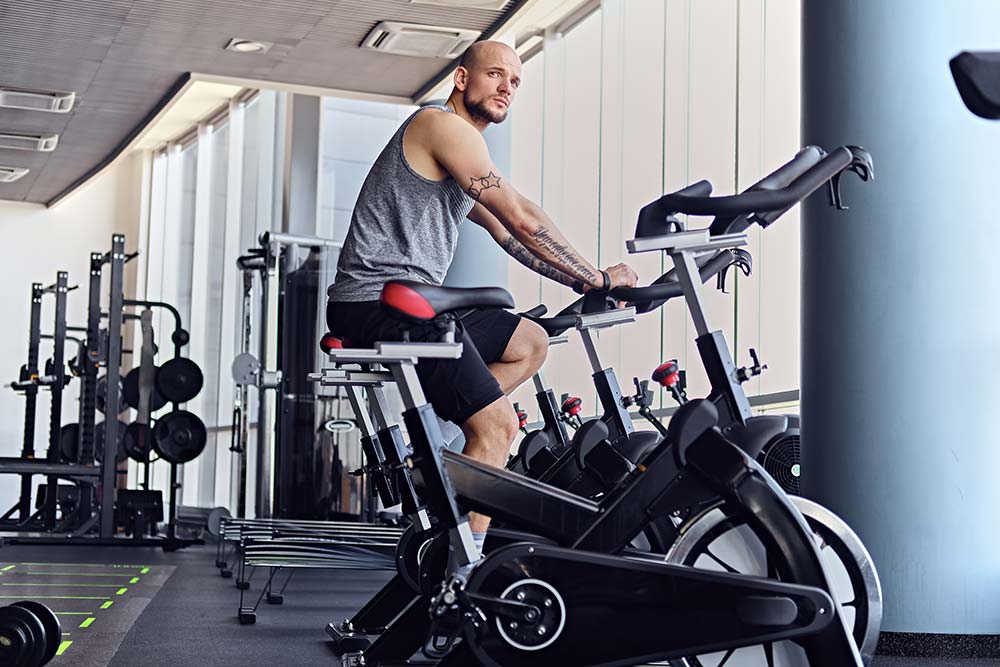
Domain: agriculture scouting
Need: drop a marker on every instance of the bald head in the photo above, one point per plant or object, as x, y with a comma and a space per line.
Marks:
485, 82
480, 54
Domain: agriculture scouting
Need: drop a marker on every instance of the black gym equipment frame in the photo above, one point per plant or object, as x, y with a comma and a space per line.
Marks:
103, 347
31, 379
286, 481
695, 461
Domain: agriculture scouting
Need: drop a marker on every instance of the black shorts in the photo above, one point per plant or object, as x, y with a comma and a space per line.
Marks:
457, 388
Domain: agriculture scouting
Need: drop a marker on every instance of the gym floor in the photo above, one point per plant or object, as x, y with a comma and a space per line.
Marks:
180, 612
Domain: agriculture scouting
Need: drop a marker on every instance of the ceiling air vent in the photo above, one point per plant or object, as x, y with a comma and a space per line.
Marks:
411, 39
46, 143
494, 5
15, 98
11, 174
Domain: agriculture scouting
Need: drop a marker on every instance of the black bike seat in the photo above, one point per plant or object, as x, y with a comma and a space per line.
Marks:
423, 302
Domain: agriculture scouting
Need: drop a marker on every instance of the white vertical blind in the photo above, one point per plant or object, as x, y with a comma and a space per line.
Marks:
641, 98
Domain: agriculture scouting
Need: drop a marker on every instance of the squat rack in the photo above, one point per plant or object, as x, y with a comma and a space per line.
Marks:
100, 347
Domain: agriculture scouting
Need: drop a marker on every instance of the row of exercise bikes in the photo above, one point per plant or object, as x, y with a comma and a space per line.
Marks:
616, 546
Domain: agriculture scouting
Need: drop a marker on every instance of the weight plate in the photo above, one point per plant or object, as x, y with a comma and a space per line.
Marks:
245, 369
53, 629
120, 455
69, 442
130, 391
102, 393
138, 442
179, 436
22, 637
179, 380
214, 521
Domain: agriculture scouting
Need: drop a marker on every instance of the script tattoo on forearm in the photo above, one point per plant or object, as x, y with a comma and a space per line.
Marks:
517, 250
563, 255
485, 183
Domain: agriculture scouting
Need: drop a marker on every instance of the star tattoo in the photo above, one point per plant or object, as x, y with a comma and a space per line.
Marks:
479, 184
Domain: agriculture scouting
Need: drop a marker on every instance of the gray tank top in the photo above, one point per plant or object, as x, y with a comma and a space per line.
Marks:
404, 226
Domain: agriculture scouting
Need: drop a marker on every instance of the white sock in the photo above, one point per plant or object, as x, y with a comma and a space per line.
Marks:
480, 540
453, 437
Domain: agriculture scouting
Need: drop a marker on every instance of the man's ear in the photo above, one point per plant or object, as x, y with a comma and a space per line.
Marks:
461, 78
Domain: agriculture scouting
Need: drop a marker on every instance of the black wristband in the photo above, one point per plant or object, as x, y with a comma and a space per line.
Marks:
607, 280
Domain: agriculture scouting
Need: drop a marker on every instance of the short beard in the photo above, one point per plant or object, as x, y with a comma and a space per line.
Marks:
479, 111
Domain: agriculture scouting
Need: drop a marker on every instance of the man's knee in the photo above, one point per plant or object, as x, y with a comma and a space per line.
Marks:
536, 343
497, 421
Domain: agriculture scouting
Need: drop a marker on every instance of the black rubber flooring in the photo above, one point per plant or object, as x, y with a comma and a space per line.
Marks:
96, 603
191, 619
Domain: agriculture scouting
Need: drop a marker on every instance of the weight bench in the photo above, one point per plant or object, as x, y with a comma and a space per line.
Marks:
295, 549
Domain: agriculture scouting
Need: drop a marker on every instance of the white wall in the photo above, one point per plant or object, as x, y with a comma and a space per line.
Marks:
42, 241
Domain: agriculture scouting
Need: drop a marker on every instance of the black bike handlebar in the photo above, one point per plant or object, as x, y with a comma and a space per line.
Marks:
779, 178
667, 286
536, 312
759, 201
644, 299
788, 172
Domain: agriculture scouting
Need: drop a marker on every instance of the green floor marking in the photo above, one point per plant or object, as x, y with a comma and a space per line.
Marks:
9, 567
134, 580
121, 591
107, 604
62, 585
111, 565
56, 597
65, 645
144, 570
86, 623
77, 574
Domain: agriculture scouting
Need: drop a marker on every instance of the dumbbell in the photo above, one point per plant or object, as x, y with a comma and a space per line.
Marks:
30, 634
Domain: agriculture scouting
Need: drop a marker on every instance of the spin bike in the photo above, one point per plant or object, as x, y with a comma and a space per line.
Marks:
754, 434
556, 597
518, 508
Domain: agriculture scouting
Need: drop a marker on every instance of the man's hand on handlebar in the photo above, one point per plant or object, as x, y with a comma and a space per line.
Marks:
622, 275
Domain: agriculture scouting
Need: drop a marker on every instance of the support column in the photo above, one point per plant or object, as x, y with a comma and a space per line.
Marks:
900, 325
301, 164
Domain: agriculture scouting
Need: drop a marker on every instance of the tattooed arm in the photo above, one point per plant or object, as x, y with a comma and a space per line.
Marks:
461, 150
481, 216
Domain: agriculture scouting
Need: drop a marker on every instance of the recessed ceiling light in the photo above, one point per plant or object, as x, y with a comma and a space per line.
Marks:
36, 100
11, 174
240, 45
46, 143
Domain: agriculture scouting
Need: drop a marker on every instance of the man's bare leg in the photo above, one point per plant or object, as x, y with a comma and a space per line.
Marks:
524, 355
488, 436
490, 432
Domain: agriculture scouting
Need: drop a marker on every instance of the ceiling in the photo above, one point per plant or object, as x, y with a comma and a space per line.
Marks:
126, 59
